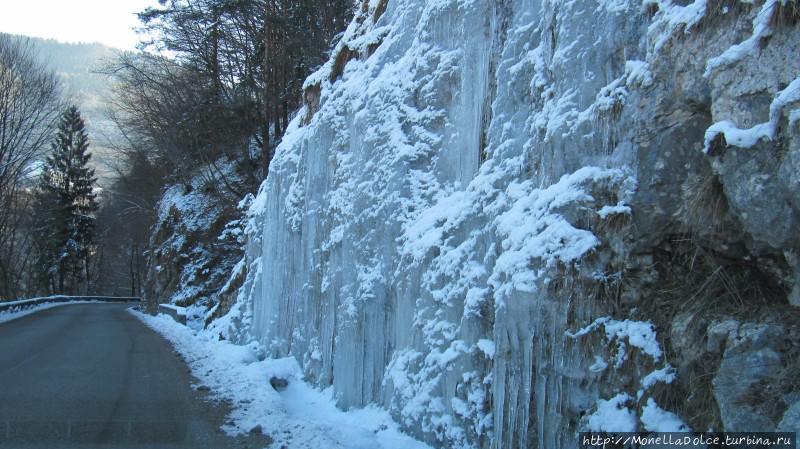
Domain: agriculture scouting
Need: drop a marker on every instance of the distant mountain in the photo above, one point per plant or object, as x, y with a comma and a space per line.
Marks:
77, 66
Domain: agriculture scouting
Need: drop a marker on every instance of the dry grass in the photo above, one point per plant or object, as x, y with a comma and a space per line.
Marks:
719, 11
692, 396
703, 282
613, 224
701, 286
715, 9
786, 14
707, 206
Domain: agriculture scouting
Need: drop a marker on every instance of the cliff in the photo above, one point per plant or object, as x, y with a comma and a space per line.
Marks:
509, 221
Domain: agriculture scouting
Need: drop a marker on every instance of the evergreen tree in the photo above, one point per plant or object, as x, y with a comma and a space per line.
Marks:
67, 203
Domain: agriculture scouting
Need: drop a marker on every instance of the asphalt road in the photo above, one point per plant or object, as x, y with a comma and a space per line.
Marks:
93, 376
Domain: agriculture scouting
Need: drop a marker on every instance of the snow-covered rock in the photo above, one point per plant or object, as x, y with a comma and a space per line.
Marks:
194, 245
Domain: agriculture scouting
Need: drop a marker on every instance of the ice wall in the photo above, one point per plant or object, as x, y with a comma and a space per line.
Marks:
476, 219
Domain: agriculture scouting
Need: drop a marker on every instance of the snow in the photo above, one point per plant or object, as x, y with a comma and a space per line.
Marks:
21, 311
790, 94
617, 414
588, 329
746, 138
613, 415
189, 262
299, 417
619, 209
637, 73
195, 208
742, 138
762, 29
672, 18
532, 228
487, 347
656, 419
666, 375
599, 365
639, 334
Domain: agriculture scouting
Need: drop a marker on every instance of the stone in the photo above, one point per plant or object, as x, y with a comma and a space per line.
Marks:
751, 360
278, 383
718, 333
791, 419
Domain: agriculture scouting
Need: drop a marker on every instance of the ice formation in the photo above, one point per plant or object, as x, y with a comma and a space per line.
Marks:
468, 186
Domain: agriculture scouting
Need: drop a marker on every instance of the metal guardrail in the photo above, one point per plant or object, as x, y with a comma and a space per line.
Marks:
23, 304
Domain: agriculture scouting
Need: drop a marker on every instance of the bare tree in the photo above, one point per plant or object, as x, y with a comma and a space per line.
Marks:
129, 211
177, 112
253, 54
208, 98
30, 104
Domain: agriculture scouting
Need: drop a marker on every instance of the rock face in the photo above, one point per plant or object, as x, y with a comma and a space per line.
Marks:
510, 221
193, 247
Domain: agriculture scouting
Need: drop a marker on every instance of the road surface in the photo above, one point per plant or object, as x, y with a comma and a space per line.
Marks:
92, 375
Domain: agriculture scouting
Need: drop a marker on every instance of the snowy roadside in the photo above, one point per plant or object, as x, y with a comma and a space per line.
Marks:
298, 417
14, 314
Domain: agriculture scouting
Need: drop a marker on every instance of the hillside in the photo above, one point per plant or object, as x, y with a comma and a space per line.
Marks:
76, 65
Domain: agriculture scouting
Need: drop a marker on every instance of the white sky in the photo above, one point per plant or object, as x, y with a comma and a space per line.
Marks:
110, 22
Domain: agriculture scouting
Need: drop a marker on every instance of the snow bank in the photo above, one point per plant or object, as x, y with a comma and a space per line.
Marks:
299, 417
613, 415
656, 419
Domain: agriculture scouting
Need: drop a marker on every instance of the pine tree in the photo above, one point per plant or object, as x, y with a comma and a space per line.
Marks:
67, 203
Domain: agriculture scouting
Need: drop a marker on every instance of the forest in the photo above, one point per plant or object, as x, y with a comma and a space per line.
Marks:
209, 93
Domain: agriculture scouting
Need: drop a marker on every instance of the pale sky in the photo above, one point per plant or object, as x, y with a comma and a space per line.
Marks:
110, 22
